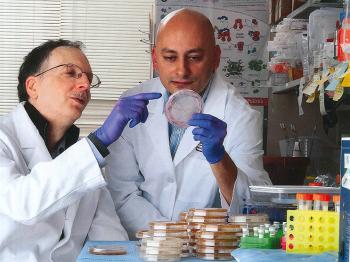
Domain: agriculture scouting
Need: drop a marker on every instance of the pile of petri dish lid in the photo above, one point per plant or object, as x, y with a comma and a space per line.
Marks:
168, 229
141, 234
182, 217
217, 241
249, 221
161, 249
199, 217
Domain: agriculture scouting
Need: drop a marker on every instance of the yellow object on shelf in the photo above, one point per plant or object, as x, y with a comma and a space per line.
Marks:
312, 232
346, 81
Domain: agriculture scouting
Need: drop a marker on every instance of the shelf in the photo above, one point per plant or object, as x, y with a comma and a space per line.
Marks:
287, 87
304, 11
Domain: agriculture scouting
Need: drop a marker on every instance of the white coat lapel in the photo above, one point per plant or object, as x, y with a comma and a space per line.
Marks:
187, 144
32, 145
214, 105
157, 126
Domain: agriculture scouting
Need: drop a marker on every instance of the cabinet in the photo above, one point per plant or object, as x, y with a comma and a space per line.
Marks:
303, 12
286, 170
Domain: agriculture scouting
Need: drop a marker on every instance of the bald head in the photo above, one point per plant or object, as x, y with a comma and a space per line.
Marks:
183, 19
185, 55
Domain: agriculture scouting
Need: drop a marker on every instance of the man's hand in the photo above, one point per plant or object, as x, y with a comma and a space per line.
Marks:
210, 131
128, 108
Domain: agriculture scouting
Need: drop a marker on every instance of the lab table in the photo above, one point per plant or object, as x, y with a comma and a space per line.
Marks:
131, 256
245, 255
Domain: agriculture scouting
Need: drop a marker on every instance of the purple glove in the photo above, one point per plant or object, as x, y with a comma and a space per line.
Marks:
128, 108
210, 131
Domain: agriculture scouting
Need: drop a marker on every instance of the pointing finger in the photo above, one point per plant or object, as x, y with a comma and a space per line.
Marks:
146, 96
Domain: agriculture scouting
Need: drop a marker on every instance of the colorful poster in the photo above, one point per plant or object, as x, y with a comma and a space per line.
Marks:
242, 32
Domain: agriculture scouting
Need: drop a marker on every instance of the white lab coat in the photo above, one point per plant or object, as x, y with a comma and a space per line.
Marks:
41, 197
146, 184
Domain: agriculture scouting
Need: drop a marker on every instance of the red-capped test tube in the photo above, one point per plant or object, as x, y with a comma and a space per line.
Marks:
336, 201
321, 201
304, 201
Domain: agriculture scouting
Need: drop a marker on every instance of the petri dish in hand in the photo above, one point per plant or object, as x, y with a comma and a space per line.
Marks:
181, 106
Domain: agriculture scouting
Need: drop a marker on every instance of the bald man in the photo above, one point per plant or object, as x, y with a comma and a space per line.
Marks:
157, 169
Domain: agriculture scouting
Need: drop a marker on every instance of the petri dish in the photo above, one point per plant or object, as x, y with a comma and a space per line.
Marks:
162, 242
215, 250
208, 212
169, 233
182, 216
181, 106
168, 225
195, 219
258, 218
217, 235
107, 250
142, 234
221, 228
218, 242
195, 226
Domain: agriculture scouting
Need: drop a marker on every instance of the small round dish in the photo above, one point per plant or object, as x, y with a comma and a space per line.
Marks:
181, 106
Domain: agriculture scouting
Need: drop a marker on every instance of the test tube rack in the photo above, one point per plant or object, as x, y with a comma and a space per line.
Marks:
312, 231
264, 243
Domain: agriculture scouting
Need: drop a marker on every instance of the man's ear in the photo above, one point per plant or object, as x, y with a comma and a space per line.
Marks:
154, 59
217, 56
31, 87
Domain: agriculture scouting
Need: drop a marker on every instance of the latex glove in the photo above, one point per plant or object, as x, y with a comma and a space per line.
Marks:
128, 108
210, 131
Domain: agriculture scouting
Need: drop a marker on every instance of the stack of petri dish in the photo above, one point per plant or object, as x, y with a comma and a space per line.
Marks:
161, 249
217, 241
141, 234
182, 216
172, 229
198, 217
249, 221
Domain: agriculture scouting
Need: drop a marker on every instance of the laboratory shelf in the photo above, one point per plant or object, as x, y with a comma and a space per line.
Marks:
287, 87
304, 11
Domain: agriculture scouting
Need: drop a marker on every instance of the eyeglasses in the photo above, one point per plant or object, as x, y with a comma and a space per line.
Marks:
75, 71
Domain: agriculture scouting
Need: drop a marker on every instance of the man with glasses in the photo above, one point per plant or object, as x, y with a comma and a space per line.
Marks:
52, 189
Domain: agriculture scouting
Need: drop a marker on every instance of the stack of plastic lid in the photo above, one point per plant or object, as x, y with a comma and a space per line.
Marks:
250, 221
174, 230
207, 216
182, 216
161, 249
142, 234
217, 241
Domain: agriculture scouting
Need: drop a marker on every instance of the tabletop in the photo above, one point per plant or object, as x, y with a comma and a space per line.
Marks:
131, 256
245, 255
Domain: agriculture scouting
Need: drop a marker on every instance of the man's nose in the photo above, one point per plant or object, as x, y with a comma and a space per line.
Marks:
83, 82
182, 68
